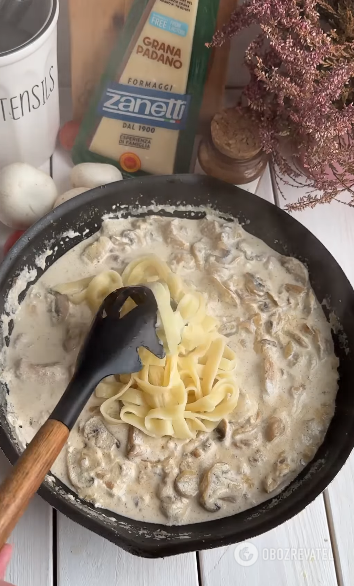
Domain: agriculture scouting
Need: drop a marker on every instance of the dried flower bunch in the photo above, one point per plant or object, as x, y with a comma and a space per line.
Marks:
300, 90
339, 16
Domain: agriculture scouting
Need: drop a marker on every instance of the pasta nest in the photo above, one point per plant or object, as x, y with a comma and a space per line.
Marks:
189, 390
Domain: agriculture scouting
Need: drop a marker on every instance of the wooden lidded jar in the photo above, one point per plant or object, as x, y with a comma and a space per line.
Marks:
233, 150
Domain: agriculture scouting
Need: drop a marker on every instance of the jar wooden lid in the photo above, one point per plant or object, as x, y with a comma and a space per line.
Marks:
235, 134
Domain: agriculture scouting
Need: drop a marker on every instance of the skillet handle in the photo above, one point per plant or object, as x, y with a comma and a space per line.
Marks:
28, 474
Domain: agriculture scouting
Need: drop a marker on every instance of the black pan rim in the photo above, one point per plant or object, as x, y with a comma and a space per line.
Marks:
283, 508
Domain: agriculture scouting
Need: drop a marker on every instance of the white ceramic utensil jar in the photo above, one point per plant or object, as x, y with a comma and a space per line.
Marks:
29, 99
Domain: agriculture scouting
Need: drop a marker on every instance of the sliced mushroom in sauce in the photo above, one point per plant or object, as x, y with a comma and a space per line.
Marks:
176, 235
187, 483
73, 337
42, 373
59, 307
172, 504
182, 261
255, 285
223, 431
295, 268
94, 430
275, 427
281, 468
80, 478
97, 251
218, 484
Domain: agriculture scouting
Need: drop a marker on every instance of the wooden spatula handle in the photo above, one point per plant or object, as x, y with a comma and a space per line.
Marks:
28, 474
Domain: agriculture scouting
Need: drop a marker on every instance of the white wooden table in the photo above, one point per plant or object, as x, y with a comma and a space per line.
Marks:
315, 548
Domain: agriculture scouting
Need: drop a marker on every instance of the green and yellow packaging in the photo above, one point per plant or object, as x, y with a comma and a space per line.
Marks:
144, 114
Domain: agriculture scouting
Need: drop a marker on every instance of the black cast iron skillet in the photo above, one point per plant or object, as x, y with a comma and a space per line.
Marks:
280, 231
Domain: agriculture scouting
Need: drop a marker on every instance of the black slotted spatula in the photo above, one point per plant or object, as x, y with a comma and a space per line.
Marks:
111, 347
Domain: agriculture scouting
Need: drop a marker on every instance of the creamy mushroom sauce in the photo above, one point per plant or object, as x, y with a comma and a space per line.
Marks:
286, 371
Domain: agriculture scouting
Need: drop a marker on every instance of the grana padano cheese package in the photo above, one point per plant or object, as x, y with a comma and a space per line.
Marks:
144, 114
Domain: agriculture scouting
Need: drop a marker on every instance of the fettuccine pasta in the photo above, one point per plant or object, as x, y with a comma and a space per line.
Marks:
191, 389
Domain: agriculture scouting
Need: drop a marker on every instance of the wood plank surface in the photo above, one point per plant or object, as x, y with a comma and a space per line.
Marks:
279, 553
85, 559
94, 29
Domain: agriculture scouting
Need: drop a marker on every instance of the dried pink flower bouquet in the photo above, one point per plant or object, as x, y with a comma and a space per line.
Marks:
299, 75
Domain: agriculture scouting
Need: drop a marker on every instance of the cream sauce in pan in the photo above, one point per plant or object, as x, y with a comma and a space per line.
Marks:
286, 371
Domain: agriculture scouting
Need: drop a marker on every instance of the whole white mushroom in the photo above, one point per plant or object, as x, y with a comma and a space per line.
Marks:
94, 174
69, 195
26, 195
